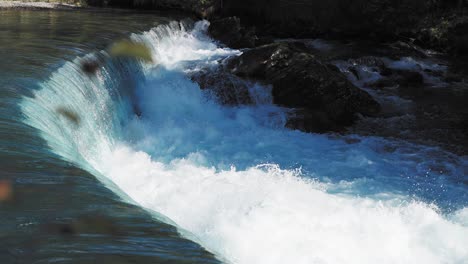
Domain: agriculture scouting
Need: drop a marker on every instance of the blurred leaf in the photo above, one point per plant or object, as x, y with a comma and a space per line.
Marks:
6, 190
89, 66
69, 114
126, 48
86, 224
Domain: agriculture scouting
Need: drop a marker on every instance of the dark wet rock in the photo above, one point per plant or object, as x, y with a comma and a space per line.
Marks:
410, 78
230, 32
308, 120
300, 80
355, 72
408, 84
446, 32
382, 83
264, 40
400, 49
386, 71
257, 62
228, 88
370, 61
452, 77
458, 37
436, 116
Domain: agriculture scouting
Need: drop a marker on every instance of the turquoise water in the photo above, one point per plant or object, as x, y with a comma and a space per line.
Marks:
59, 212
189, 174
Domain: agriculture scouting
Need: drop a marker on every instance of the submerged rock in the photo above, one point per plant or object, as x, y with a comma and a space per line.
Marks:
300, 80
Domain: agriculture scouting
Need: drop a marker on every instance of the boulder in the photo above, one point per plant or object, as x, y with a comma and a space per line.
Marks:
309, 120
446, 32
230, 32
228, 88
458, 37
300, 80
410, 78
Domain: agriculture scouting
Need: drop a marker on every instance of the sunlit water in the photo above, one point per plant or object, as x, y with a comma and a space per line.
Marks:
48, 190
232, 179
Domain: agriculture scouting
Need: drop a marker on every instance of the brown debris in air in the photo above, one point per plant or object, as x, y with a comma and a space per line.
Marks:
6, 190
87, 224
127, 48
69, 115
89, 66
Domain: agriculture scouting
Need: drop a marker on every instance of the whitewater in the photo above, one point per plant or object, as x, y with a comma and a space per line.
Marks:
234, 179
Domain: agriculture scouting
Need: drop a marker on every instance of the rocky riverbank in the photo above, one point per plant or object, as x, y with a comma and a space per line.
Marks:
7, 5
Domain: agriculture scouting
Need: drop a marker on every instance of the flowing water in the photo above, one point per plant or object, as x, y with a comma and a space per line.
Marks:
189, 180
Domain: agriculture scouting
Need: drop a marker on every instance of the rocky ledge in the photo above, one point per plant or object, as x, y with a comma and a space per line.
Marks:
390, 89
322, 97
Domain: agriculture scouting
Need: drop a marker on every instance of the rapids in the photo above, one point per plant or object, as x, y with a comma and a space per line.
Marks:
234, 179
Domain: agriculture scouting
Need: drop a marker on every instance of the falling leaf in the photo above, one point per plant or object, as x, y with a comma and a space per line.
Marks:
89, 66
6, 190
86, 224
69, 114
126, 48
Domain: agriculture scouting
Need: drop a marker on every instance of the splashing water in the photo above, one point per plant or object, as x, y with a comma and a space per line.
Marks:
239, 183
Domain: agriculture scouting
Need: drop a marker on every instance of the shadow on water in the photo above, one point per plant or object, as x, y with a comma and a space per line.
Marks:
50, 210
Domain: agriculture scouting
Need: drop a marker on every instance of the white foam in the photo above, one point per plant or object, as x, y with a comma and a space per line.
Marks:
176, 43
267, 215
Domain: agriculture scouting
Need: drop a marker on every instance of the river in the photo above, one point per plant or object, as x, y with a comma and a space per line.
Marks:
188, 179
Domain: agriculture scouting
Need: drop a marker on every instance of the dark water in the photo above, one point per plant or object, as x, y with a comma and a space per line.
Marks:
58, 213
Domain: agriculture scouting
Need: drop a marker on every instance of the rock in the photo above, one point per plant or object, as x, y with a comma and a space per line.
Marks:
228, 88
370, 61
458, 37
452, 77
309, 120
410, 78
298, 18
400, 49
300, 80
447, 32
230, 32
264, 40
383, 83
